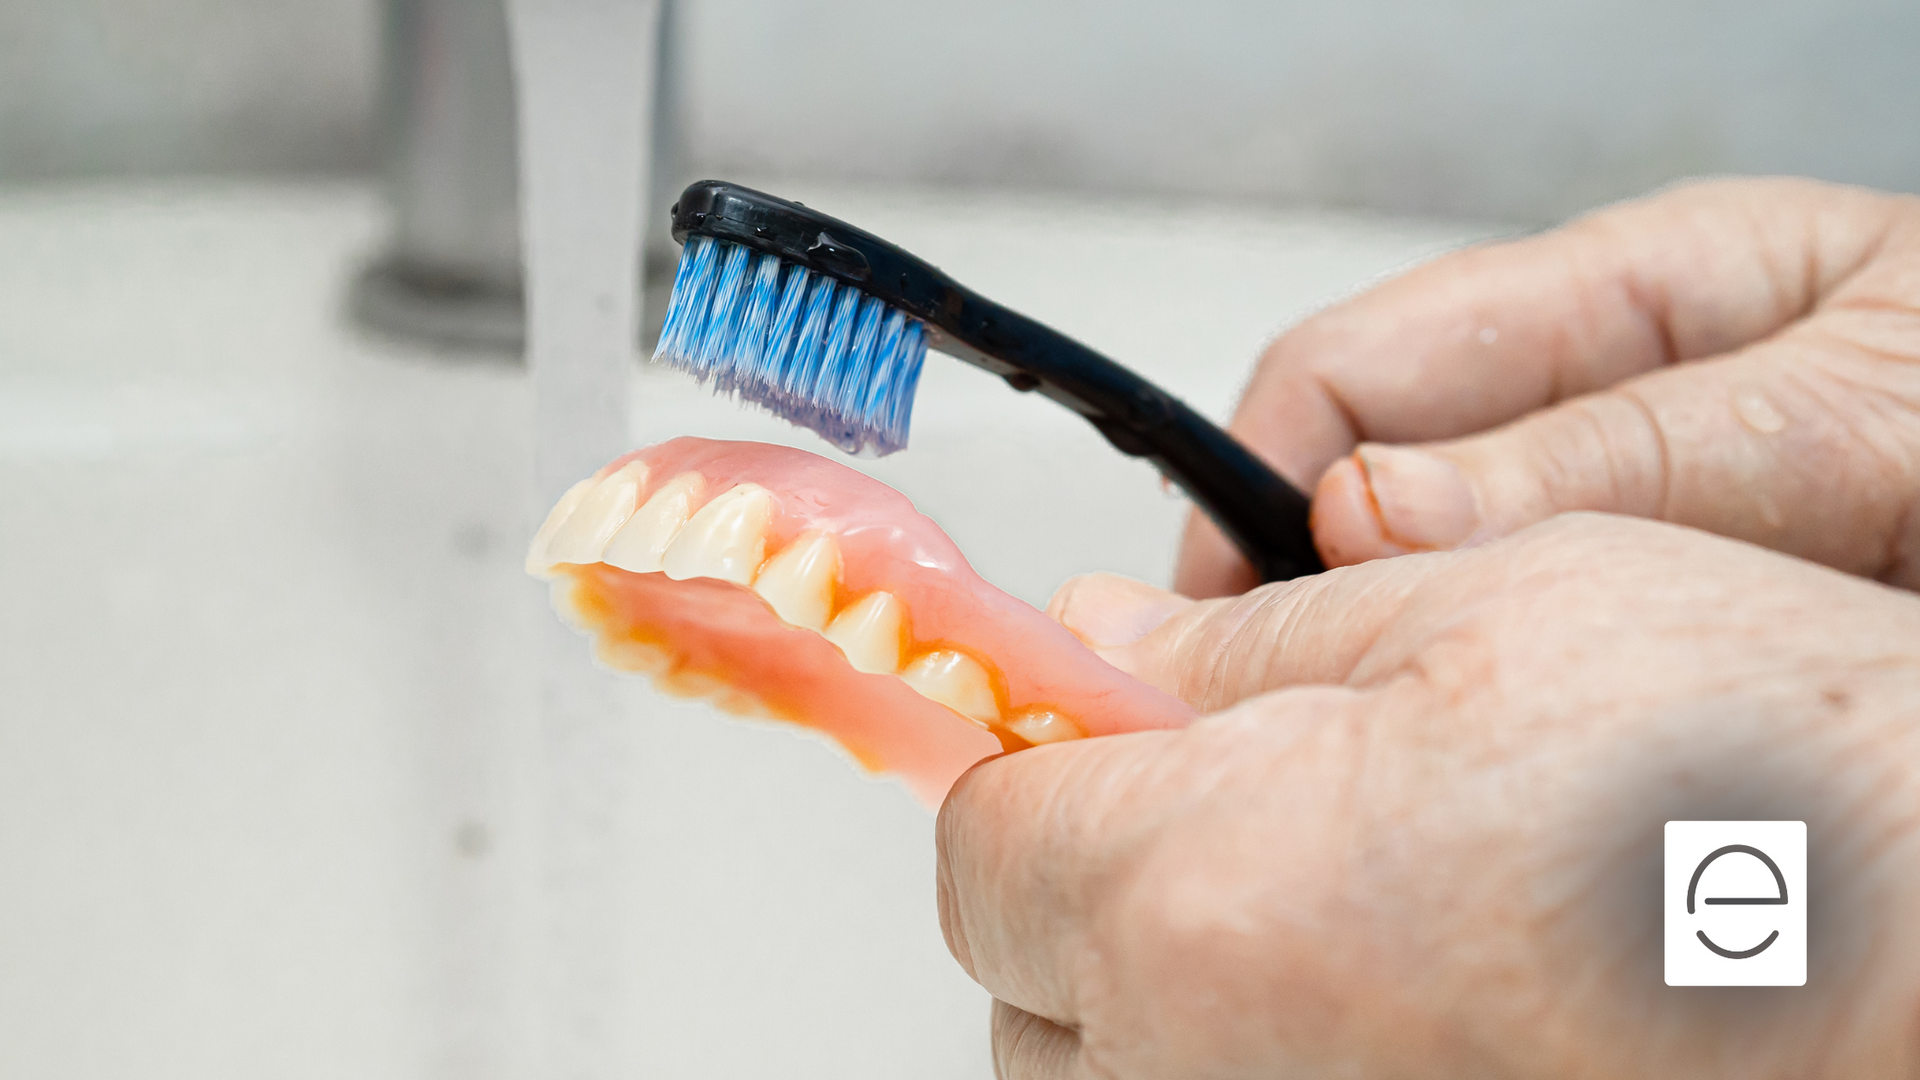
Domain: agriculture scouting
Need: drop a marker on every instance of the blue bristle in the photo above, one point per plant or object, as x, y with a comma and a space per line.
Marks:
821, 354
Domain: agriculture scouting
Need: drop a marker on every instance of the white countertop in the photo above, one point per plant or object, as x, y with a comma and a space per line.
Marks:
264, 618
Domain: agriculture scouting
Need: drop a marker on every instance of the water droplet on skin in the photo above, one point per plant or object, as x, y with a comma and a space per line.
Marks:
1757, 413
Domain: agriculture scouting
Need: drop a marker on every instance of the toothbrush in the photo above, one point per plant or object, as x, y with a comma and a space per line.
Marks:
828, 326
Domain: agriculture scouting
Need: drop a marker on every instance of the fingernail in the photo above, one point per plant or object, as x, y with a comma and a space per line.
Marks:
1423, 499
1107, 610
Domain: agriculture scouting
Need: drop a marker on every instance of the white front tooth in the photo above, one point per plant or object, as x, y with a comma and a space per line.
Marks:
641, 542
599, 516
727, 539
869, 633
798, 582
955, 680
538, 561
1039, 726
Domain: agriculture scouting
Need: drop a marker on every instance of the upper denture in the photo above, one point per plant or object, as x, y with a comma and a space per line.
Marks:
779, 583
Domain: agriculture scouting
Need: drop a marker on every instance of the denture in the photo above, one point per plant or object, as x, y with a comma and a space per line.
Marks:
777, 584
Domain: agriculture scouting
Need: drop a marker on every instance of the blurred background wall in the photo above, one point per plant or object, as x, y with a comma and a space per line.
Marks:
91, 87
1513, 109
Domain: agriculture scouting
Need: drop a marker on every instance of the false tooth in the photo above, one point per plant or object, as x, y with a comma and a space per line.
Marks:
798, 582
727, 539
955, 680
641, 542
868, 631
607, 507
1044, 726
538, 561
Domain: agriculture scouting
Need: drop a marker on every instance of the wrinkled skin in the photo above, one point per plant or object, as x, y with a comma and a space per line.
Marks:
1739, 356
1419, 833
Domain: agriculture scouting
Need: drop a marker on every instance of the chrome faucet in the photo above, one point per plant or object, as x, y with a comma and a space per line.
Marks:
449, 274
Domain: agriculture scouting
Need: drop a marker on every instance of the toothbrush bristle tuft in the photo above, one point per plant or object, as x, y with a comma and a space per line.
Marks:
796, 342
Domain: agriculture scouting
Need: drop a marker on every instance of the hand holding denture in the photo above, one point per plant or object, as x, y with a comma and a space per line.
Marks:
1738, 356
1411, 837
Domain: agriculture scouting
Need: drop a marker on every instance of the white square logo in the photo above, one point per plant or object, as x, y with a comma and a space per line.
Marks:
1736, 903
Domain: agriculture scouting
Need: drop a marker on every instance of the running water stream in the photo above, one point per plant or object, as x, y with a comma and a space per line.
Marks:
584, 71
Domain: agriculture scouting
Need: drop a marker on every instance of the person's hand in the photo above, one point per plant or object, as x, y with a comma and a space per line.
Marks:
1740, 356
1422, 834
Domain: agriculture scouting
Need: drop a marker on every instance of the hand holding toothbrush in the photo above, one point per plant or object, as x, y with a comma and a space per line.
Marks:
1739, 356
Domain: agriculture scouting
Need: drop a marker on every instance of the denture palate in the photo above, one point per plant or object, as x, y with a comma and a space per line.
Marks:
779, 584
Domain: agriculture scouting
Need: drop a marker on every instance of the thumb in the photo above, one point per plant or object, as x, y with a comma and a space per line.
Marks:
1345, 626
1766, 446
1104, 610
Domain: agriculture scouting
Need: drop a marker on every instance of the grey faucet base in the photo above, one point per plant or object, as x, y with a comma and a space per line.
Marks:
397, 300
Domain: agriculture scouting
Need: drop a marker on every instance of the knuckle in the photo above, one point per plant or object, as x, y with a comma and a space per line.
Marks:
1294, 346
952, 925
1312, 348
1029, 1047
1606, 450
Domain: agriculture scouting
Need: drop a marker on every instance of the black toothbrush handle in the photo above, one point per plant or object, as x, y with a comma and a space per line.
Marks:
1265, 516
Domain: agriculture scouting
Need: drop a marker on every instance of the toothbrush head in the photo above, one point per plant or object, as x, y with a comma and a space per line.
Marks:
795, 341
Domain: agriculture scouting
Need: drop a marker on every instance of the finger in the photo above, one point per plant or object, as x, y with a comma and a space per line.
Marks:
1331, 628
1040, 853
1020, 839
1482, 336
1029, 1047
1105, 610
1797, 444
